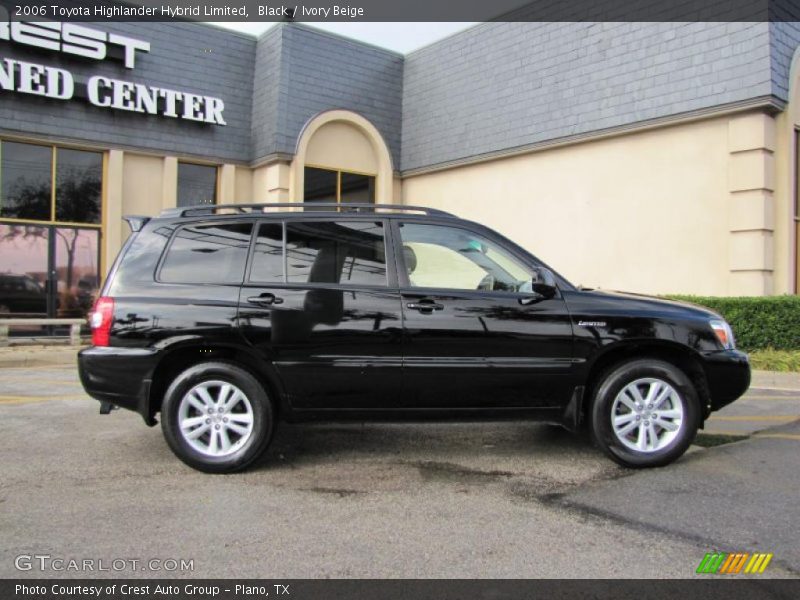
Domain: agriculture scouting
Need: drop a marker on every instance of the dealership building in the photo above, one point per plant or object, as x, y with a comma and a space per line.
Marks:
649, 157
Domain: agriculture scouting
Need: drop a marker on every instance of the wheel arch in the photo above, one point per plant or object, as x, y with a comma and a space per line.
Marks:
184, 356
672, 352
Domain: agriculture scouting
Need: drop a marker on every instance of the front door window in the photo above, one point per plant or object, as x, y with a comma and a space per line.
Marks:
436, 256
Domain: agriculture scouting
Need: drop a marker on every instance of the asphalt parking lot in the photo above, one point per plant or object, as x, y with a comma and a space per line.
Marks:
416, 501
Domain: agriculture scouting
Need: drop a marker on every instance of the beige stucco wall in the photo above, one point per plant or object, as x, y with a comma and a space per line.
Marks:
703, 207
340, 145
648, 211
142, 190
243, 185
787, 162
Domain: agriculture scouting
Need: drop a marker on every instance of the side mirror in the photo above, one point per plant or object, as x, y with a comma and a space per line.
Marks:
543, 282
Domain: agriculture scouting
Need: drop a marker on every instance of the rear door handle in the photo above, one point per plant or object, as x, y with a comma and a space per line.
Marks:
265, 299
425, 306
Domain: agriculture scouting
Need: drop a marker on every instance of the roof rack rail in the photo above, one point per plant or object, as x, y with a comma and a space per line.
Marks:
313, 206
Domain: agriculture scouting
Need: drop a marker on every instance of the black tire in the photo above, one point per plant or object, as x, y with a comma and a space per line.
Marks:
262, 417
613, 382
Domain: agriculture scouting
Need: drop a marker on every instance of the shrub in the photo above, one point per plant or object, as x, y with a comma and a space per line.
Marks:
758, 322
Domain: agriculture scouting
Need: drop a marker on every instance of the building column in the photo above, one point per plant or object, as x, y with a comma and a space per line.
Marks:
169, 192
227, 184
112, 209
271, 183
751, 183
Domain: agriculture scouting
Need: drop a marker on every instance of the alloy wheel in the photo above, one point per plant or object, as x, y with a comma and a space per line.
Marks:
647, 415
215, 418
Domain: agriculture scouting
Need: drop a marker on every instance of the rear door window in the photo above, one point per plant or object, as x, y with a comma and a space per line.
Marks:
207, 254
336, 252
268, 254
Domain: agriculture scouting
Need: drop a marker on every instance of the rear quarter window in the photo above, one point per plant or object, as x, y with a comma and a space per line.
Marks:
207, 254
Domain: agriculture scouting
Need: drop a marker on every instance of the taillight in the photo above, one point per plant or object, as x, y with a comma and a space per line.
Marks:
101, 320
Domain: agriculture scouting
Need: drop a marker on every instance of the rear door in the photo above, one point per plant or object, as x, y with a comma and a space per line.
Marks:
476, 336
318, 303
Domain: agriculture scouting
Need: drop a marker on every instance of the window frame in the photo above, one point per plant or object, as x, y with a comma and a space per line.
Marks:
389, 252
201, 223
339, 181
53, 188
508, 246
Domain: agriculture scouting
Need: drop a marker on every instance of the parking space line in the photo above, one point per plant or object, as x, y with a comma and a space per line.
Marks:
32, 380
743, 435
770, 397
755, 418
779, 436
33, 399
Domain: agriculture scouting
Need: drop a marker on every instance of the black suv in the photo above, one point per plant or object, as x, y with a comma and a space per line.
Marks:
226, 319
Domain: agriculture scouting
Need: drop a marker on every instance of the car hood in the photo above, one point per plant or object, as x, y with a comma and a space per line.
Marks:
643, 304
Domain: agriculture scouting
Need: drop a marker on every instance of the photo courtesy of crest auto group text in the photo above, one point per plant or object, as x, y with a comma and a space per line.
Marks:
399, 300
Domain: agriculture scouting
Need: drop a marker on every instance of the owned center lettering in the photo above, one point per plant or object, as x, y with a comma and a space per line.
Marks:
101, 91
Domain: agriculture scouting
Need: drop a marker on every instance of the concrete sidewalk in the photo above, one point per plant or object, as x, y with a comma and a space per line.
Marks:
38, 356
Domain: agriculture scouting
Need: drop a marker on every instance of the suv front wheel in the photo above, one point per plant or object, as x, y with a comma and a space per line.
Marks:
217, 417
645, 413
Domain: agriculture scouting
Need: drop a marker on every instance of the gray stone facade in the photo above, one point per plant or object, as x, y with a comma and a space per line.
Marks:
318, 72
490, 88
505, 85
194, 58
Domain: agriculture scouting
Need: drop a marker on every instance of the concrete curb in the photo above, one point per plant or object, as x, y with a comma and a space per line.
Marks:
38, 356
776, 380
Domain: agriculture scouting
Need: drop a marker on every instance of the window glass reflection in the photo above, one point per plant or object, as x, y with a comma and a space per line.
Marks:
79, 177
358, 188
23, 271
77, 273
320, 185
208, 254
197, 184
343, 252
25, 181
268, 254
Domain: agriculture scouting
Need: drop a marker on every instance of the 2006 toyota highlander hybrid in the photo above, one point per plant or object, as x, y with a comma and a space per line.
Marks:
226, 320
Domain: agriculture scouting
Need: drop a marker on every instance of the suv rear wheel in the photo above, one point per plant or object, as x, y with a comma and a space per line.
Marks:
217, 417
645, 413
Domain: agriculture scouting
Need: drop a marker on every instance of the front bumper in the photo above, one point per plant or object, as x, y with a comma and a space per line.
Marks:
728, 376
119, 376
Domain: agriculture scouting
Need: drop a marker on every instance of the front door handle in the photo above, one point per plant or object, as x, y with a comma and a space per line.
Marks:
425, 306
265, 299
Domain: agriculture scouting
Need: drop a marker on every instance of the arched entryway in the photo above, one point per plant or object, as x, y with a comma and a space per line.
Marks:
341, 157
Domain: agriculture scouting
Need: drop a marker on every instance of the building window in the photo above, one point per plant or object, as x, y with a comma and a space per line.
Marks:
79, 178
50, 216
197, 184
31, 189
328, 185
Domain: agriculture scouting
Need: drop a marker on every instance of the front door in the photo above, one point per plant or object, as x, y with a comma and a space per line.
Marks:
475, 334
318, 305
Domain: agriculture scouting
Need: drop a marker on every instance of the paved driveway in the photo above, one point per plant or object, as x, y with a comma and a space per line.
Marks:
462, 500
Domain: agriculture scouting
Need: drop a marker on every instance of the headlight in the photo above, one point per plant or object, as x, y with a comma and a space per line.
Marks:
724, 333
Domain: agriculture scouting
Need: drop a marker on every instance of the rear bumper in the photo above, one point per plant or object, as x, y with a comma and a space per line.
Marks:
728, 376
120, 376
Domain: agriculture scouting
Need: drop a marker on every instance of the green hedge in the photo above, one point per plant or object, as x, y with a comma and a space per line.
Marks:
757, 322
